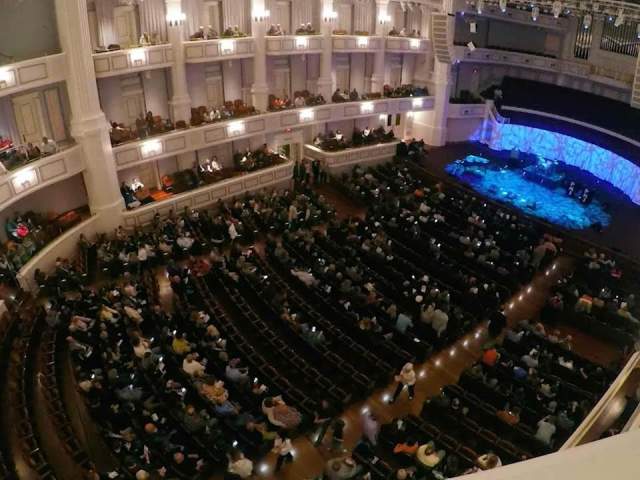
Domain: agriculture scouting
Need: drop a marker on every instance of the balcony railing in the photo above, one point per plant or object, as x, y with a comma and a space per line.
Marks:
25, 180
357, 43
341, 160
201, 197
525, 60
198, 51
407, 45
119, 62
294, 44
195, 138
16, 77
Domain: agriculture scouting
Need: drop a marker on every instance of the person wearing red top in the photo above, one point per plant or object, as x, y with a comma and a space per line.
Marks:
490, 357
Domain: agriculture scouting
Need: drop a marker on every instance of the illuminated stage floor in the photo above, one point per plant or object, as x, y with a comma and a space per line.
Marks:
549, 203
621, 234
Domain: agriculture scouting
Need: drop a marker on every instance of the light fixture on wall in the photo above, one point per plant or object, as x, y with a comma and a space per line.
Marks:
302, 43
382, 118
619, 18
384, 19
227, 46
417, 103
586, 21
414, 43
473, 27
479, 6
329, 16
362, 42
306, 115
151, 148
535, 11
556, 8
235, 128
176, 18
366, 107
7, 78
260, 15
503, 5
24, 180
137, 56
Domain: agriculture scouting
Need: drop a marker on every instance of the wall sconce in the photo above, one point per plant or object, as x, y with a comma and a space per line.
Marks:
137, 57
260, 15
176, 18
301, 43
227, 47
151, 148
24, 180
329, 16
306, 115
366, 107
384, 19
417, 103
235, 128
362, 42
414, 44
382, 118
7, 78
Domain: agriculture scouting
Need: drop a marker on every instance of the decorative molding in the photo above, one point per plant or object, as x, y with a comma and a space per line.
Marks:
121, 62
36, 72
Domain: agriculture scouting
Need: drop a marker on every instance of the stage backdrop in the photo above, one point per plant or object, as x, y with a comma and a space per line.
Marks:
602, 163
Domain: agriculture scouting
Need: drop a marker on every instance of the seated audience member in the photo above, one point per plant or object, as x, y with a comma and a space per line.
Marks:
546, 430
48, 146
239, 465
280, 414
192, 367
489, 461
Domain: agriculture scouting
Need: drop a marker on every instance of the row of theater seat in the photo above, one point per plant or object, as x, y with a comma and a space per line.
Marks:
50, 381
251, 357
283, 358
20, 387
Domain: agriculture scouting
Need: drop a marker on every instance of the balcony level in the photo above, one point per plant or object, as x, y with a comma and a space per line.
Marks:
131, 60
34, 176
294, 44
28, 74
191, 139
571, 68
199, 51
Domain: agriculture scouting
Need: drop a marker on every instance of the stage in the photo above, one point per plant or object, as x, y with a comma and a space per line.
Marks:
549, 191
607, 205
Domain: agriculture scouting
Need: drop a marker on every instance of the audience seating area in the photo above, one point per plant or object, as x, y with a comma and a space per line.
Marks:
279, 305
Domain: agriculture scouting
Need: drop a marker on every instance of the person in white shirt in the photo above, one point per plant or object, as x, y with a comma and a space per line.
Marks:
48, 146
185, 241
407, 378
284, 449
192, 367
240, 465
546, 430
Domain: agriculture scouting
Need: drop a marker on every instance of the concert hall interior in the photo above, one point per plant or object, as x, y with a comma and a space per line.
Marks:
319, 239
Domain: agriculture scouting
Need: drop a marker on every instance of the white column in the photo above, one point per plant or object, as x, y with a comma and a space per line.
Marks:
431, 125
259, 89
377, 78
180, 103
327, 22
89, 125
